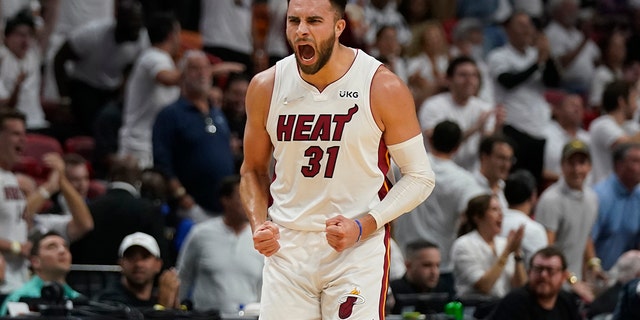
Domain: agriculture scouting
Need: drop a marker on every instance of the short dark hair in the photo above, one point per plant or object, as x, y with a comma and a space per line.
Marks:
154, 185
456, 62
413, 247
507, 22
519, 187
487, 143
22, 18
11, 114
382, 28
614, 90
125, 169
74, 159
160, 26
37, 240
476, 207
620, 151
446, 136
548, 252
235, 76
339, 5
228, 185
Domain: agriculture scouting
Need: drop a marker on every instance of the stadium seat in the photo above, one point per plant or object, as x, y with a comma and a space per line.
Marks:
38, 145
96, 188
29, 166
82, 145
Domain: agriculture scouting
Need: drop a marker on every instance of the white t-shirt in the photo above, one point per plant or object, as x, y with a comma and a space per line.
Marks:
437, 218
144, 98
527, 109
604, 132
535, 236
71, 15
556, 139
388, 16
632, 126
397, 268
226, 24
484, 183
472, 257
277, 44
534, 8
13, 227
562, 41
29, 96
601, 77
219, 268
422, 65
570, 214
75, 13
11, 7
45, 222
101, 60
442, 107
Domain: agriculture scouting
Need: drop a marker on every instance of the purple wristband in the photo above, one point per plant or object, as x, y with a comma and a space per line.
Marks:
360, 228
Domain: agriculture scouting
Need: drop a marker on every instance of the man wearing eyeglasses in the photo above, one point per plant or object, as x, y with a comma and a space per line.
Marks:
542, 298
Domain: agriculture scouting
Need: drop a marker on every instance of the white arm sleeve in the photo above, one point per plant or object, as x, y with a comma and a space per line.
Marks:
416, 184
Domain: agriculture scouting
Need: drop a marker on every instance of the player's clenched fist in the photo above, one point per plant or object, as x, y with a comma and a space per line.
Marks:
265, 238
342, 232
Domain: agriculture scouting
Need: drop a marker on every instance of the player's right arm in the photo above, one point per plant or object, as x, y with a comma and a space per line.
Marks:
254, 184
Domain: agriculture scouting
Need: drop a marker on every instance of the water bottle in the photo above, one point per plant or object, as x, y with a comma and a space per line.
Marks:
455, 310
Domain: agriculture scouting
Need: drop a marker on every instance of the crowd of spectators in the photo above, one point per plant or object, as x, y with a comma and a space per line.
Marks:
529, 110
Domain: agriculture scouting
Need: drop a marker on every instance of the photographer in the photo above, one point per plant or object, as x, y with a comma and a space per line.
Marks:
51, 260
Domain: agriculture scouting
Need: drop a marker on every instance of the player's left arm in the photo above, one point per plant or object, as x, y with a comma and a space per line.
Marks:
395, 113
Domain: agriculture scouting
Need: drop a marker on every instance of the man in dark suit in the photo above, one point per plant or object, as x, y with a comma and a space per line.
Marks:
119, 212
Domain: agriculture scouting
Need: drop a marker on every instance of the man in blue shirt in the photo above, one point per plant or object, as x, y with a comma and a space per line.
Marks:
51, 261
617, 228
191, 139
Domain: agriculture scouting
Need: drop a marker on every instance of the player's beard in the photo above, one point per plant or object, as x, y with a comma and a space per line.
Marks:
325, 49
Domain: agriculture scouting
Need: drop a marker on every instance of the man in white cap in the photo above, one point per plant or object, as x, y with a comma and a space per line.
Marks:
140, 261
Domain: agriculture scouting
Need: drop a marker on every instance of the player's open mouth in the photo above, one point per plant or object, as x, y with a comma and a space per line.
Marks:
306, 52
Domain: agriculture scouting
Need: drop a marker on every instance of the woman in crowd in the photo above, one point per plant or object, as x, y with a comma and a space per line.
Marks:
484, 263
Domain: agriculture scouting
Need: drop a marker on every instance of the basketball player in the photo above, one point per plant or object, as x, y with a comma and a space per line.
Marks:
330, 116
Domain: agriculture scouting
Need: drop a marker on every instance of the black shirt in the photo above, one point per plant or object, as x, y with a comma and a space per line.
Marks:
117, 292
425, 303
521, 304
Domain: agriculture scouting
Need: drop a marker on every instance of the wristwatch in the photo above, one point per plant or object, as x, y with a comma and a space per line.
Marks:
572, 279
16, 247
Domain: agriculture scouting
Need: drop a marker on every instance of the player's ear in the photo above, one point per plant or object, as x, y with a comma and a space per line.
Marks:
339, 28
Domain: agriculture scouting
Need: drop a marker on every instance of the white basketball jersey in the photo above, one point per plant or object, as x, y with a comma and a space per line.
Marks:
13, 227
329, 155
